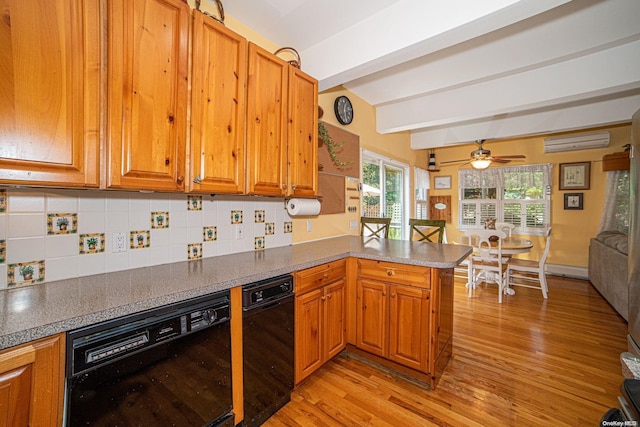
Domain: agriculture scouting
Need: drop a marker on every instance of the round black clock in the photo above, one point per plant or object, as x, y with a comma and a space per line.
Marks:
343, 109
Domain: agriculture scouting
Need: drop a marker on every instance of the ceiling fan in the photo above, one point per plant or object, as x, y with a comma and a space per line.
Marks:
481, 158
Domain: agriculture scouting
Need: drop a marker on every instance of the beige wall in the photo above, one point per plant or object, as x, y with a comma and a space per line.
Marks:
572, 229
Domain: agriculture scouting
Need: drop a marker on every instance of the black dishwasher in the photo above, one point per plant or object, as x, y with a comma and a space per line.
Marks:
267, 327
169, 366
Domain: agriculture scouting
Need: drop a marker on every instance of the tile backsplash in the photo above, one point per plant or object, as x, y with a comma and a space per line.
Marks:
49, 234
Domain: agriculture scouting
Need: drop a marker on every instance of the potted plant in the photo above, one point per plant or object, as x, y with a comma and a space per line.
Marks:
140, 238
63, 223
323, 134
210, 233
26, 271
92, 242
160, 220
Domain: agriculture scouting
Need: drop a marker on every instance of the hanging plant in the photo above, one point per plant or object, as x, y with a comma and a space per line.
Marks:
323, 134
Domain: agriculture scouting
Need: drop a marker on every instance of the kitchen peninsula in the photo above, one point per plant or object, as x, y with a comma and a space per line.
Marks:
34, 312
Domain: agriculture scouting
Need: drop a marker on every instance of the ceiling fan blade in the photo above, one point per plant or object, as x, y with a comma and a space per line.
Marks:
454, 161
515, 156
500, 160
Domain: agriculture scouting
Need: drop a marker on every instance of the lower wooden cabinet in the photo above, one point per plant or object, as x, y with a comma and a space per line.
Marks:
393, 322
320, 316
32, 383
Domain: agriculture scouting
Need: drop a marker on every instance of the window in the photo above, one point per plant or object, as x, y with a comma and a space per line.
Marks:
615, 214
421, 184
390, 178
515, 194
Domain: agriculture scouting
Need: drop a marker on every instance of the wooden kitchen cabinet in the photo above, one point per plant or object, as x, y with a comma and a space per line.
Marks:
393, 322
320, 316
50, 92
282, 123
302, 136
32, 383
404, 316
218, 96
147, 57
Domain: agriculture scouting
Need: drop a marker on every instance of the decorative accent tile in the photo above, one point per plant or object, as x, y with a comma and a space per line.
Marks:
139, 239
236, 217
258, 216
25, 273
91, 243
194, 203
269, 228
258, 243
3, 250
194, 251
159, 219
288, 227
3, 200
209, 234
62, 223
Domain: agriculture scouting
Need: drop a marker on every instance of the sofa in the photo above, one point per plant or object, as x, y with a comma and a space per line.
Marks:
608, 269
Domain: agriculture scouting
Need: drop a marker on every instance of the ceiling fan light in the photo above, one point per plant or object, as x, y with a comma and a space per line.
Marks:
481, 163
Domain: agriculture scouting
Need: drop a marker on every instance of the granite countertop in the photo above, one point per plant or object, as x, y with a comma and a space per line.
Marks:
38, 311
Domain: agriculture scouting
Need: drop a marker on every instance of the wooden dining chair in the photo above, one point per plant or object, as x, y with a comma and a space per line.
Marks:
525, 273
487, 258
375, 227
427, 229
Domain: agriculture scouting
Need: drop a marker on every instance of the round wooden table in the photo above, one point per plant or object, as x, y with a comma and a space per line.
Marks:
510, 246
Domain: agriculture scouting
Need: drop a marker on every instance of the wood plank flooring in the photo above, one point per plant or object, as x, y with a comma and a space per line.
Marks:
527, 362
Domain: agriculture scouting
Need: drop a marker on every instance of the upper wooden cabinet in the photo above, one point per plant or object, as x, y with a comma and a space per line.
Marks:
50, 92
218, 95
147, 46
282, 127
266, 123
302, 142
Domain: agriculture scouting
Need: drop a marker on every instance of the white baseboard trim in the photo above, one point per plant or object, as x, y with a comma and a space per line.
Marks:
568, 271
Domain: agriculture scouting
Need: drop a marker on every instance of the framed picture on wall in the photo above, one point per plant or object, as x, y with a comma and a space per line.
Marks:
575, 176
573, 201
442, 182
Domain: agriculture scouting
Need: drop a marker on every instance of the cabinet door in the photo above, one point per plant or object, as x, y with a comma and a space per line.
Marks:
372, 317
147, 94
266, 123
409, 326
334, 318
308, 333
218, 108
302, 134
50, 92
31, 383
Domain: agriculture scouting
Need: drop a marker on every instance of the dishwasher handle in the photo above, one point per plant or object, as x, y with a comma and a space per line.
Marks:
265, 305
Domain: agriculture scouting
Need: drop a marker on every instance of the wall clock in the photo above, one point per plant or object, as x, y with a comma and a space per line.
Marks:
343, 109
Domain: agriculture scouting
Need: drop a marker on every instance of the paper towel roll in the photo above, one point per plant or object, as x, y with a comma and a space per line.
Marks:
303, 207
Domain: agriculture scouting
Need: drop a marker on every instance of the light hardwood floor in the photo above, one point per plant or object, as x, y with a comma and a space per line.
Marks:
527, 362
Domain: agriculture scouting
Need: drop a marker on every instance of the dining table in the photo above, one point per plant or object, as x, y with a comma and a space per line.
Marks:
511, 245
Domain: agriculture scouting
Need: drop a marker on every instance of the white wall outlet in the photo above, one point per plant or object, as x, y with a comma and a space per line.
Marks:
308, 225
239, 232
119, 242
353, 224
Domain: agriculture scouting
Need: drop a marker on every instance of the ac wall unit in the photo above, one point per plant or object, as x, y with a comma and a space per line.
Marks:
584, 141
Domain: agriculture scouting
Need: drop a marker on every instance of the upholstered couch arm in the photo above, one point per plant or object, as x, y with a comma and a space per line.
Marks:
608, 269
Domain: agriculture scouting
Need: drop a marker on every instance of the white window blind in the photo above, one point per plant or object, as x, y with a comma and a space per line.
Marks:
421, 185
514, 194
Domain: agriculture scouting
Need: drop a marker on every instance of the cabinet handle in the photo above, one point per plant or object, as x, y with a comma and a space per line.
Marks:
197, 180
322, 298
293, 187
393, 295
384, 293
325, 276
180, 179
328, 296
391, 273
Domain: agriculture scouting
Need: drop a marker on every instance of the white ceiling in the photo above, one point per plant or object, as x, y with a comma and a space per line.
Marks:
459, 70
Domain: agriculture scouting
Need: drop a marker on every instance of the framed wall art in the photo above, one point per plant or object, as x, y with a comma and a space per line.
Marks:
575, 176
442, 182
573, 201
